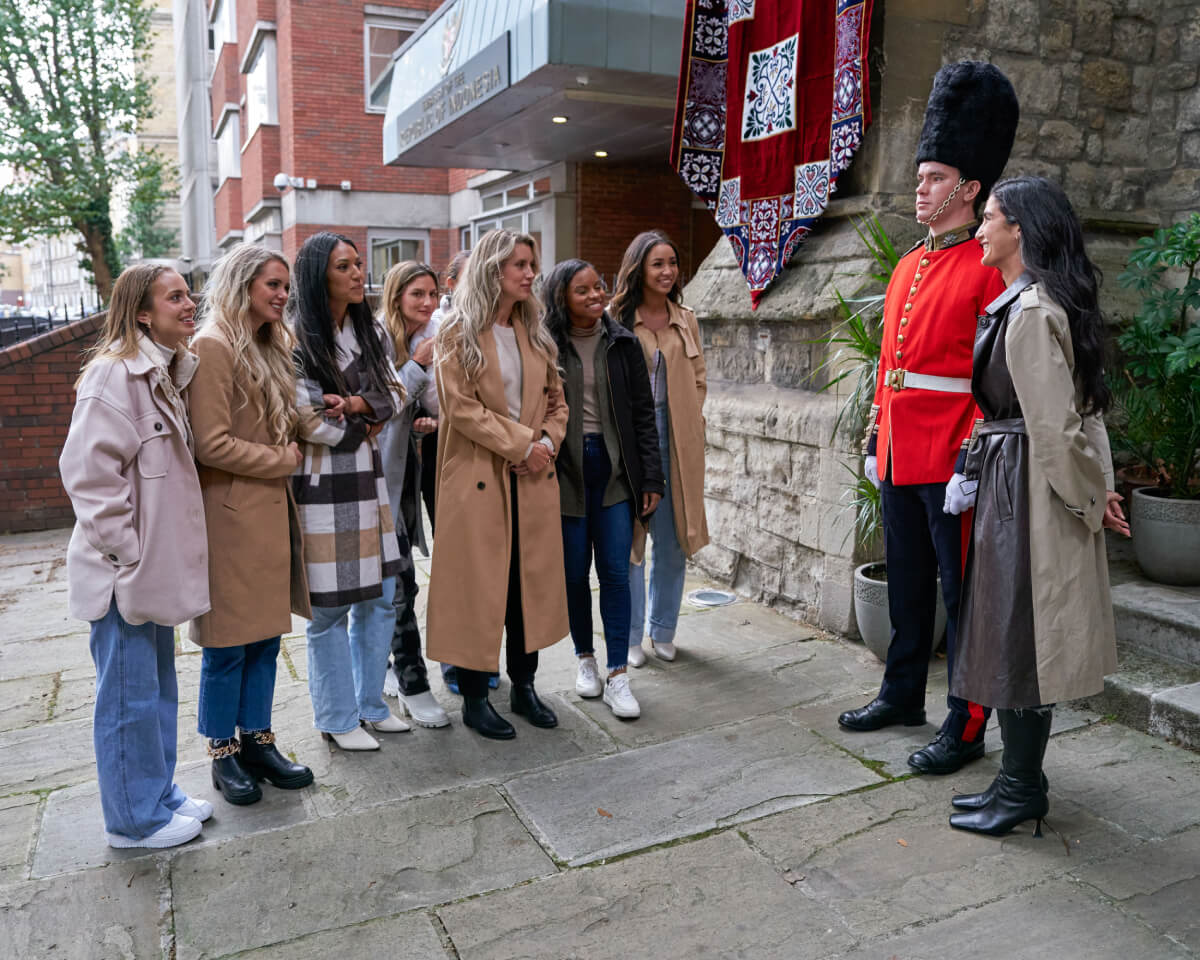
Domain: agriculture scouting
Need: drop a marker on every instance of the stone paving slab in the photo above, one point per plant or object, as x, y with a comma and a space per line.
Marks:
45, 653
64, 847
427, 761
1058, 919
705, 899
1159, 882
663, 792
114, 913
281, 885
49, 755
18, 821
410, 936
681, 697
884, 859
26, 701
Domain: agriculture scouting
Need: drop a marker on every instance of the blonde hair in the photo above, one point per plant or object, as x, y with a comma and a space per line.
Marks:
477, 298
394, 284
133, 293
262, 357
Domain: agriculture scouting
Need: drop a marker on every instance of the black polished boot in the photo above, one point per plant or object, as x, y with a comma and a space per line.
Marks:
263, 761
526, 703
879, 714
481, 716
973, 801
945, 754
229, 776
1018, 793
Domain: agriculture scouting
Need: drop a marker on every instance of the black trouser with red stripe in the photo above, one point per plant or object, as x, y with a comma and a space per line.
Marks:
920, 542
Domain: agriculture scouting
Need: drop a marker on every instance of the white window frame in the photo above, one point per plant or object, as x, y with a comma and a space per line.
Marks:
392, 19
263, 57
380, 235
230, 126
223, 22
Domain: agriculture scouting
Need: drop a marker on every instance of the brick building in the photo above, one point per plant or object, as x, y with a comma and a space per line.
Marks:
282, 120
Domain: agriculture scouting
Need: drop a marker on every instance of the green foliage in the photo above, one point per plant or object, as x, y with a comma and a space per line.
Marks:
72, 85
853, 358
1156, 391
144, 236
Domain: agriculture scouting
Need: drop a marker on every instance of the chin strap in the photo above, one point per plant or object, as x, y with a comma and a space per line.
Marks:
945, 203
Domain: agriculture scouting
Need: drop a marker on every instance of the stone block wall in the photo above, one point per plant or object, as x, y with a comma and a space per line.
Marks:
1110, 108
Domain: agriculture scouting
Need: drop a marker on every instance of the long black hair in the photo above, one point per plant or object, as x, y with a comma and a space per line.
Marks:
316, 350
628, 293
554, 291
1053, 253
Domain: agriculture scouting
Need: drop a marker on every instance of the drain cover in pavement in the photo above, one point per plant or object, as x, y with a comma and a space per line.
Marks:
710, 598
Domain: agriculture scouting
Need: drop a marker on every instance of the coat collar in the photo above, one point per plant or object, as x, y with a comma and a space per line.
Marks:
149, 358
614, 330
1010, 294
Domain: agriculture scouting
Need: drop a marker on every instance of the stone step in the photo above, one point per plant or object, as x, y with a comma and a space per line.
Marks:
1158, 619
1153, 694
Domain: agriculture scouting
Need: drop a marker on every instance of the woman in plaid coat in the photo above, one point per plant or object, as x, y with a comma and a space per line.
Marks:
347, 390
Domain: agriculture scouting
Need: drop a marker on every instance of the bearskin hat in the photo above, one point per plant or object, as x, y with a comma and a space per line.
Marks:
970, 121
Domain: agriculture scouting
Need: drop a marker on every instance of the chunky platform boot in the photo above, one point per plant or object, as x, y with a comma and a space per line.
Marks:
263, 761
229, 776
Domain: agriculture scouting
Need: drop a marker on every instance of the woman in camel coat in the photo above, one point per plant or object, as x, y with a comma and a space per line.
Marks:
244, 417
498, 556
647, 301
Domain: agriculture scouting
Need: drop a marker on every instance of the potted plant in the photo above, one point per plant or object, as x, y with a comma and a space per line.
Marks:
853, 360
1156, 397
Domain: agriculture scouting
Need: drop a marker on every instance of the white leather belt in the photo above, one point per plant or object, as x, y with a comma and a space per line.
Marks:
899, 379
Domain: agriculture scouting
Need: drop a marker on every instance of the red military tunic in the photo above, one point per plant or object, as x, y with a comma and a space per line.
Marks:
929, 317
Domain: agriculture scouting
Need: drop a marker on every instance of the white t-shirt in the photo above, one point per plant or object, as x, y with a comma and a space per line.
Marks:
509, 355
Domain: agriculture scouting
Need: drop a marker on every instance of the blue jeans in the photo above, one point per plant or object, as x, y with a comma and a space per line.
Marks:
668, 564
134, 727
346, 667
607, 532
237, 688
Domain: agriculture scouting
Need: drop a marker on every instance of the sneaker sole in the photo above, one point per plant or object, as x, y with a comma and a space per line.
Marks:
589, 694
118, 842
621, 714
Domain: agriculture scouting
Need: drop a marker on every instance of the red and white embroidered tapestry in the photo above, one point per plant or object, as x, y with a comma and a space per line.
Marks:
772, 104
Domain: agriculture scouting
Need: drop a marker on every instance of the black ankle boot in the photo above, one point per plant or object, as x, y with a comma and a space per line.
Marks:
262, 760
229, 776
526, 703
1019, 792
481, 716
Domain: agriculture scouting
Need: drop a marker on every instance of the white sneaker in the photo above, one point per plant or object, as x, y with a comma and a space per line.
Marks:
664, 651
424, 709
618, 696
179, 830
195, 807
637, 655
587, 680
356, 739
389, 724
391, 686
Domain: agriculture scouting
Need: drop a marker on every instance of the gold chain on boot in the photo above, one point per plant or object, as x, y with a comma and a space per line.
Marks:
228, 749
261, 737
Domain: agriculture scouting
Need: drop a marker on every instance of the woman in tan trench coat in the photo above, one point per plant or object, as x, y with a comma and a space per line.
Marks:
498, 558
1036, 624
646, 301
244, 418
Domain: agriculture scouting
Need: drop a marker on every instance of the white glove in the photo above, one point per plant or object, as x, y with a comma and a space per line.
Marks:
871, 469
960, 495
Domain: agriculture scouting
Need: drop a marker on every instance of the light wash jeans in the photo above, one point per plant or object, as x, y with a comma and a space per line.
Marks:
134, 727
668, 564
346, 668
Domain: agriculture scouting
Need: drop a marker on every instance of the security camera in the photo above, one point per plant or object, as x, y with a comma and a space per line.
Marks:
281, 182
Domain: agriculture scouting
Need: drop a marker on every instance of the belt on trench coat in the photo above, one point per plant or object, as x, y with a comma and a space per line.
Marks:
1014, 425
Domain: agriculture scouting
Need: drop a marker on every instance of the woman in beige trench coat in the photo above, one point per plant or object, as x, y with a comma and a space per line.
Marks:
647, 301
244, 418
1036, 624
498, 558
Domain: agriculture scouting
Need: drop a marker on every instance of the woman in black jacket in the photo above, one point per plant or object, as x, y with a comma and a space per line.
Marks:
608, 469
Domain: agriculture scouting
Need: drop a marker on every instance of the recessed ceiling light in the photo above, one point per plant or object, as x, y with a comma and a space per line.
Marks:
602, 153
558, 119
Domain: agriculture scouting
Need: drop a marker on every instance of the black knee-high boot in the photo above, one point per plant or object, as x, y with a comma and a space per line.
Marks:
1018, 793
976, 801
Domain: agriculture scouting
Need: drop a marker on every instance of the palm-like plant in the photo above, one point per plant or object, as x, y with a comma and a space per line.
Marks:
853, 359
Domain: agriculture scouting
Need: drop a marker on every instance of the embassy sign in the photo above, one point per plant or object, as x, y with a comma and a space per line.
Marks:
463, 89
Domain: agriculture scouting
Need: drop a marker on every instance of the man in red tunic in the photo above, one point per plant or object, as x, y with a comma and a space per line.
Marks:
924, 410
